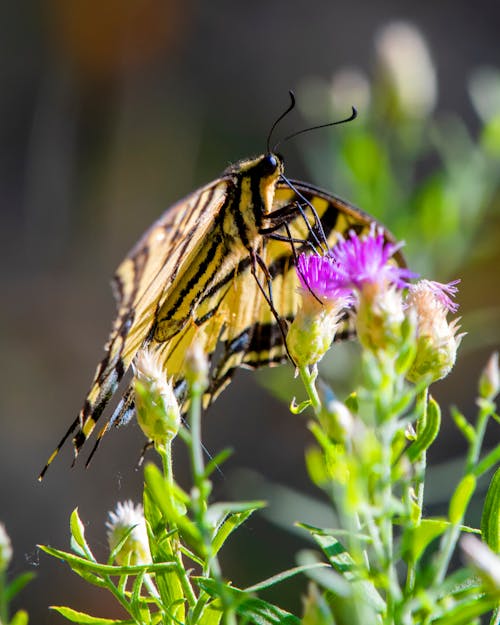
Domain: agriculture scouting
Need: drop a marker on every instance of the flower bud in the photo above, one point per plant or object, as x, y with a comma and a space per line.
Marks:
489, 382
158, 413
350, 86
408, 77
323, 303
379, 318
312, 331
5, 549
482, 558
197, 367
135, 549
337, 421
437, 340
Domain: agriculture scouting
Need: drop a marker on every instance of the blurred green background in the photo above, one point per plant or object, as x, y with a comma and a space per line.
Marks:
111, 111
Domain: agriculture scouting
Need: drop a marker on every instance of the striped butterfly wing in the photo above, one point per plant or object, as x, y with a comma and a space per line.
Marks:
139, 285
189, 279
254, 339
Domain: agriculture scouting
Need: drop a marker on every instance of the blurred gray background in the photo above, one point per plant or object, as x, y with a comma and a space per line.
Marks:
110, 111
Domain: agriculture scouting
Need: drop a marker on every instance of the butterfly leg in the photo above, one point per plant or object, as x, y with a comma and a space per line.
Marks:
268, 296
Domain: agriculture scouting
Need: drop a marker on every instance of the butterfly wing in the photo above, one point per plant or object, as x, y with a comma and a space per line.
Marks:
254, 338
139, 285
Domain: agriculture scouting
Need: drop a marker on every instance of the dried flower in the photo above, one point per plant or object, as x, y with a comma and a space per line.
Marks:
158, 412
128, 518
437, 340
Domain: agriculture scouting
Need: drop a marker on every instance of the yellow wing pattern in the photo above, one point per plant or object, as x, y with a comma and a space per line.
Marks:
193, 276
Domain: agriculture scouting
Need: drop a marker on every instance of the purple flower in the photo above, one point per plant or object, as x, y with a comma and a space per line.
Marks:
361, 261
319, 275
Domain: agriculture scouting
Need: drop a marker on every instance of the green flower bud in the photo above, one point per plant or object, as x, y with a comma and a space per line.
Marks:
337, 421
379, 317
489, 382
158, 413
313, 330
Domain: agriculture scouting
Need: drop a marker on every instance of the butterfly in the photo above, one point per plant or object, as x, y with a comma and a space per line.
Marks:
216, 269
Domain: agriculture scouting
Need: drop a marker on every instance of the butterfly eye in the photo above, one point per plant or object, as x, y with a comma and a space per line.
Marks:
269, 164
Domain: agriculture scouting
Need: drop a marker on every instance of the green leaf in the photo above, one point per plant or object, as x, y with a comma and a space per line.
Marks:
163, 495
85, 619
211, 615
78, 535
230, 524
464, 613
463, 425
342, 562
17, 584
461, 497
20, 618
489, 461
76, 562
299, 408
490, 518
256, 610
416, 539
428, 434
327, 578
284, 575
216, 461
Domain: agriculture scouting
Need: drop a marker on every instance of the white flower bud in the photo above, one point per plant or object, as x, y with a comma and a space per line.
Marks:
482, 558
5, 549
135, 549
407, 71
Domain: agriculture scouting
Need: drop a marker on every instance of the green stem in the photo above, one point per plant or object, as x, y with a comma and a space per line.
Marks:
386, 530
451, 537
200, 495
419, 482
477, 442
3, 600
309, 379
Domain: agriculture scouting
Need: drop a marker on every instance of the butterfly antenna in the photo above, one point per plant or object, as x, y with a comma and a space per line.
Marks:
352, 116
291, 106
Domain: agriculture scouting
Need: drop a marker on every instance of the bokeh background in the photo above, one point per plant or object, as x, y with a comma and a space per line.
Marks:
110, 111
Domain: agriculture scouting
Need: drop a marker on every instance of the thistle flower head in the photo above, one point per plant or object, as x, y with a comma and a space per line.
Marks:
364, 264
128, 518
365, 261
323, 302
320, 275
437, 340
158, 412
